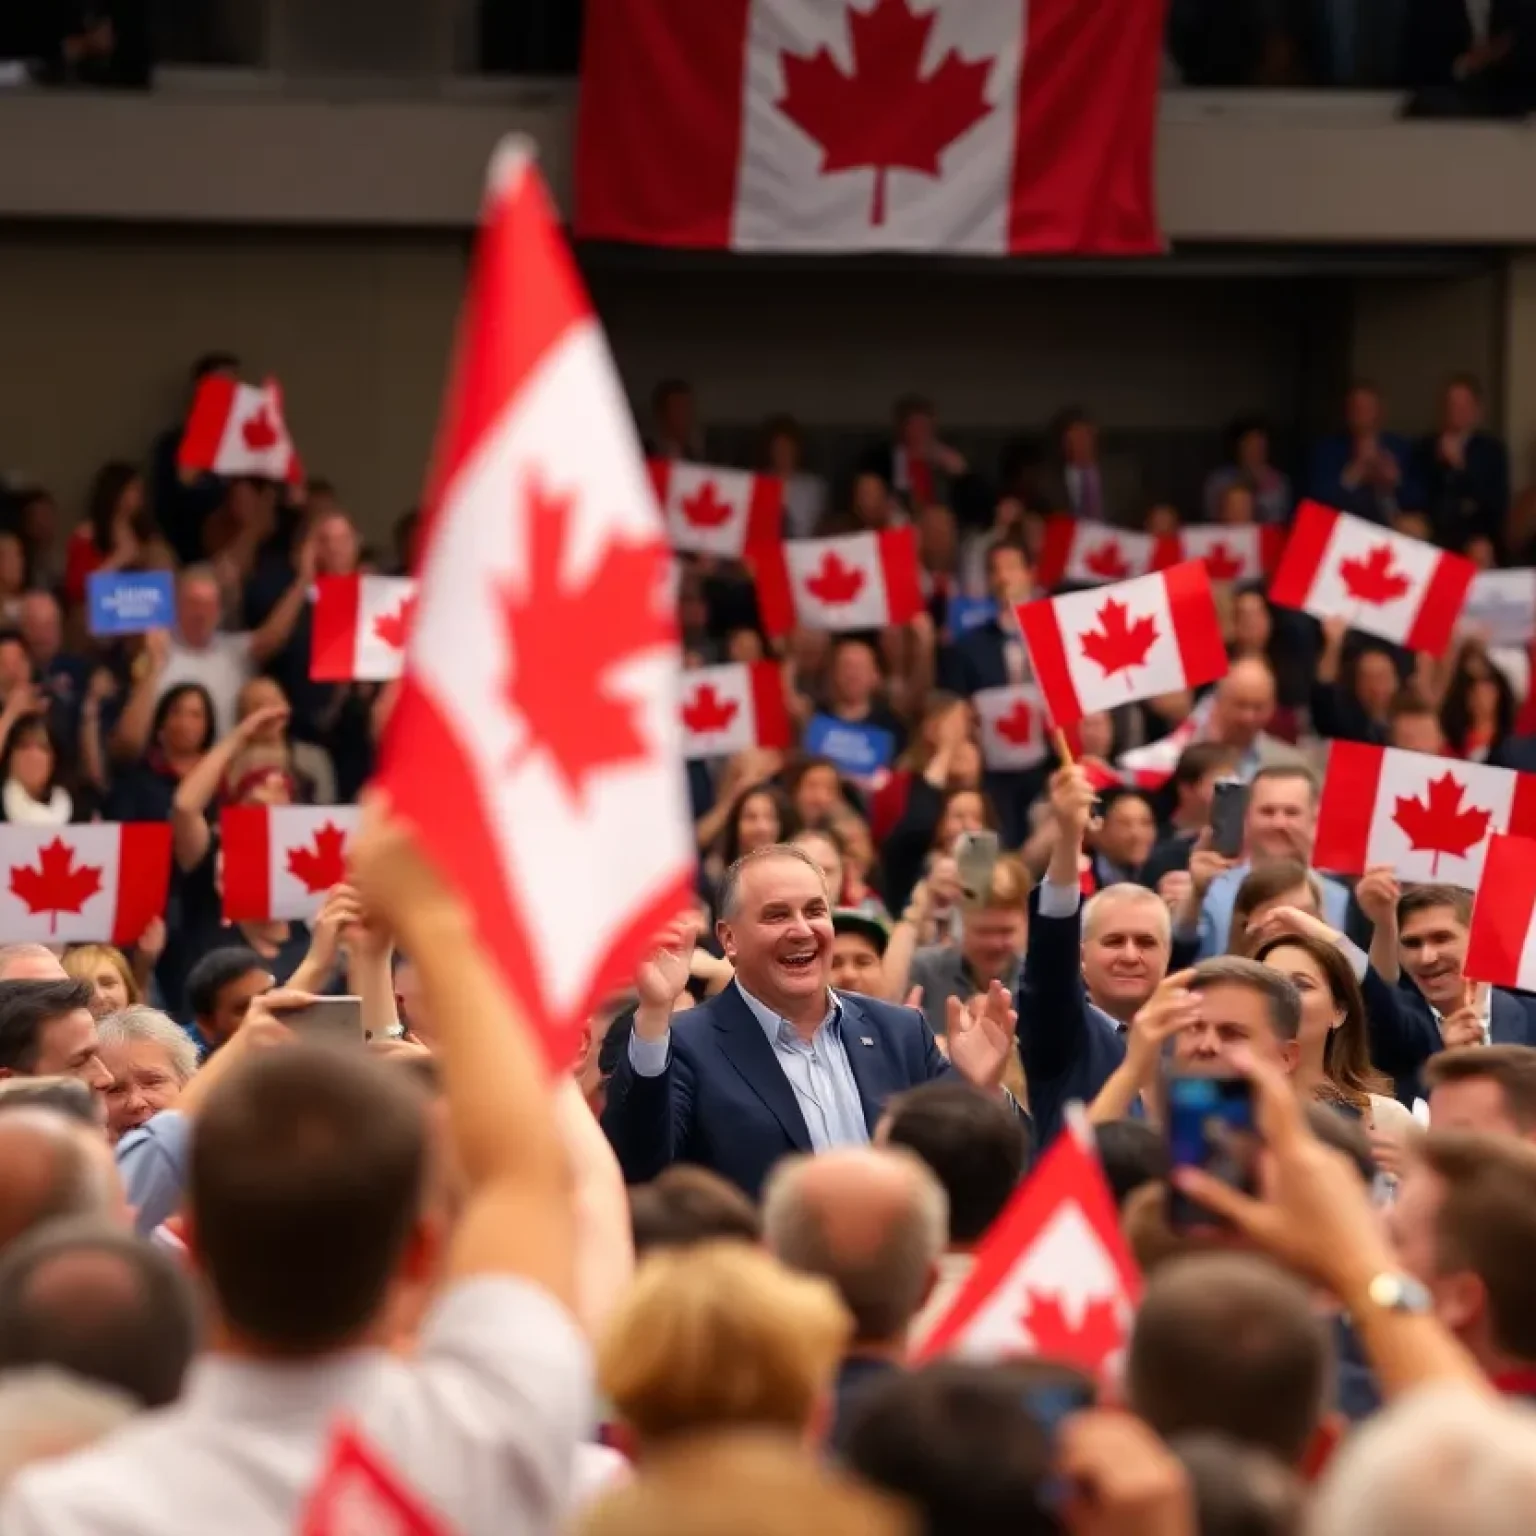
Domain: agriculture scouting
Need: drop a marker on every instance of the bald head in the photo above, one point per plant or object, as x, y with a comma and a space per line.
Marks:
54, 1167
1245, 703
30, 962
872, 1220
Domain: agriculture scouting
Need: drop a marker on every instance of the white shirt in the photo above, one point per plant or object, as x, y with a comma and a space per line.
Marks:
483, 1423
224, 666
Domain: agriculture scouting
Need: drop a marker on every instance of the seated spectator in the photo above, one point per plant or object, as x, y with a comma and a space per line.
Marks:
1365, 469
1229, 1343
685, 1206
220, 991
1249, 466
1465, 470
151, 1059
874, 1222
719, 1335
977, 1148
106, 1306
1080, 482
1486, 1088
918, 466
1477, 713
805, 494
45, 1414
1354, 688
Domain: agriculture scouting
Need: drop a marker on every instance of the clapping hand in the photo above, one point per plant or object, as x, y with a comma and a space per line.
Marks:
981, 1035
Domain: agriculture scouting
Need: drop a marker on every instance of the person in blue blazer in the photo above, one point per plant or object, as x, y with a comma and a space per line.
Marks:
778, 1062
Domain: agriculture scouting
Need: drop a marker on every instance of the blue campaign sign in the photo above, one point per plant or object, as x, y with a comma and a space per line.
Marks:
129, 602
969, 612
860, 751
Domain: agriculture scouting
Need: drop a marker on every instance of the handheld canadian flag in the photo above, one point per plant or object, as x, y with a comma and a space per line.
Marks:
359, 627
729, 708
100, 882
714, 511
543, 668
1502, 946
239, 429
850, 581
1502, 605
360, 1494
281, 860
1092, 554
1014, 125
1387, 584
1150, 767
1053, 1277
1245, 552
1429, 817
1013, 727
1134, 640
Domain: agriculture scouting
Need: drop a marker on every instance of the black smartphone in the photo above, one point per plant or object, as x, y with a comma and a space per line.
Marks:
1229, 810
1211, 1127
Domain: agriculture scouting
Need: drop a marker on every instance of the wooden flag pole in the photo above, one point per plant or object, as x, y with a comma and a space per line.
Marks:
1063, 751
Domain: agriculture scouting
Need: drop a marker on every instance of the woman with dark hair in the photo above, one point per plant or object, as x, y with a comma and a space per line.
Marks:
930, 827
32, 787
114, 532
1353, 687
1477, 712
1248, 465
760, 814
180, 732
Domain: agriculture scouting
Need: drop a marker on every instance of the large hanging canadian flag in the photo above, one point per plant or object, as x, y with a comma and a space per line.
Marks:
1053, 1277
898, 125
279, 861
730, 708
1429, 817
1340, 567
100, 882
238, 429
536, 738
715, 511
847, 581
1134, 640
1092, 554
358, 628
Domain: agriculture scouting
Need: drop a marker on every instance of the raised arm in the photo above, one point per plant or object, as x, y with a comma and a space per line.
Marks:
277, 627
190, 834
131, 734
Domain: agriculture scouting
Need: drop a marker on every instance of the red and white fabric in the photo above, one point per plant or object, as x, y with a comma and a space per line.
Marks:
543, 670
1150, 767
1384, 583
715, 511
1014, 734
1429, 817
279, 861
359, 626
1111, 646
1502, 606
849, 581
239, 429
1053, 1277
896, 125
1501, 949
731, 708
1090, 554
358, 1493
1244, 552
95, 883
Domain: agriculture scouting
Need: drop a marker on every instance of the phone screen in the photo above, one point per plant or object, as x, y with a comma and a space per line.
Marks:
1229, 810
1211, 1127
332, 1019
1051, 1402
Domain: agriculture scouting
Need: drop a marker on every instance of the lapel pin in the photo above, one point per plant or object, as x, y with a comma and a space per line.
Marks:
865, 1040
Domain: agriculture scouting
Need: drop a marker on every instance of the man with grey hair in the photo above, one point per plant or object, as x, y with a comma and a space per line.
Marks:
46, 1413
1087, 970
778, 1062
874, 1222
1443, 1459
151, 1059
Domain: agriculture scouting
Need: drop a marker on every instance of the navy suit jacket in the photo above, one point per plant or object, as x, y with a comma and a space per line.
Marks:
724, 1103
976, 660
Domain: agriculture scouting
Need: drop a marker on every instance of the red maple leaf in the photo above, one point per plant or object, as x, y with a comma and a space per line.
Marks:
1438, 824
704, 509
588, 625
1096, 1336
706, 711
55, 885
258, 431
1372, 578
392, 628
1107, 561
1116, 645
1222, 564
835, 583
1014, 726
884, 115
322, 862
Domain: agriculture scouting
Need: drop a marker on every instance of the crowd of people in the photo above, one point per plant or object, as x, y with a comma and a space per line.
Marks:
686, 1290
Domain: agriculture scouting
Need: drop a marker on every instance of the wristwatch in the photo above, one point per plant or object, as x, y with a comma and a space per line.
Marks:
1393, 1291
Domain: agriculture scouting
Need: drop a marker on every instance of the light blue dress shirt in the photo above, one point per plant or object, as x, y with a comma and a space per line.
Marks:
817, 1069
1216, 910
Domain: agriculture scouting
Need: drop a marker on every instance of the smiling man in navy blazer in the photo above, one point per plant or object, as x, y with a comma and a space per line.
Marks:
778, 1062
